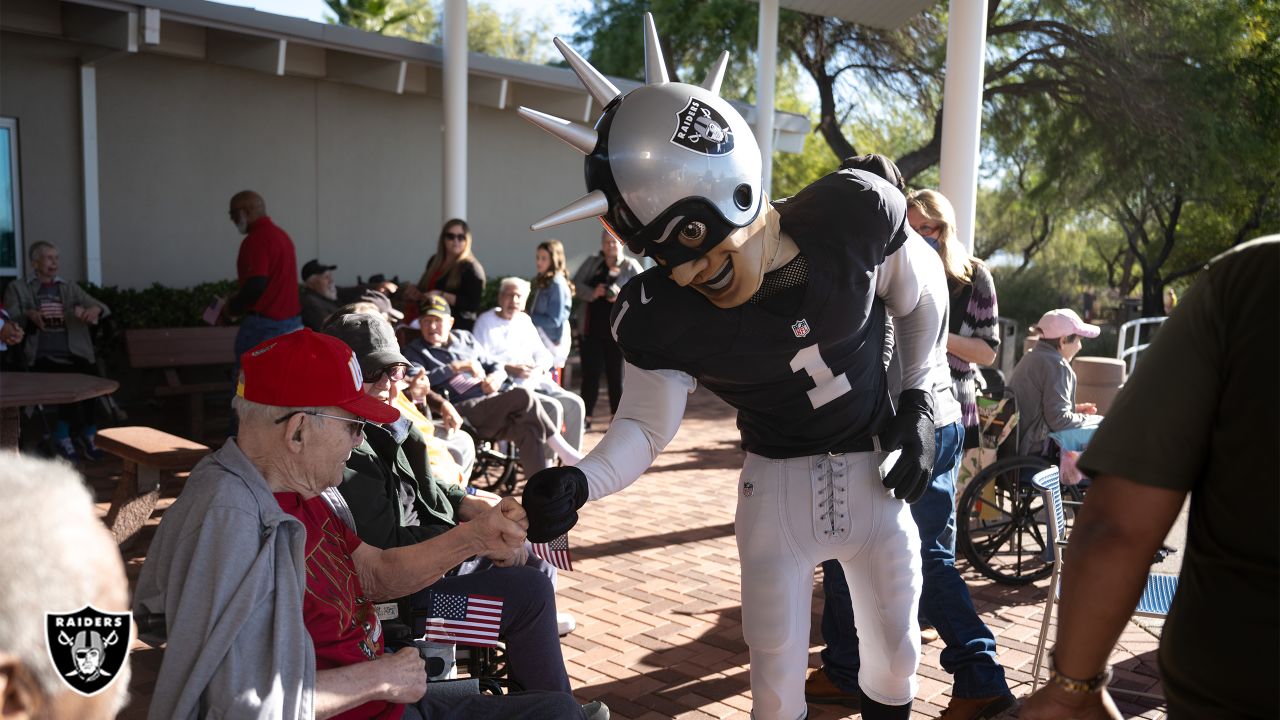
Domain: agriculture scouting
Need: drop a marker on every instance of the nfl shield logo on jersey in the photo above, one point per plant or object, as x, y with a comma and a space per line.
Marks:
800, 328
747, 488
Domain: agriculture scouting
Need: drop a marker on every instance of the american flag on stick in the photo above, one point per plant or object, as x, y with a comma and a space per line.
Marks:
555, 552
464, 619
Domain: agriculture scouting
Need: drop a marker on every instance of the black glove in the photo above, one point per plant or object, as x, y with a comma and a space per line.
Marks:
912, 432
551, 500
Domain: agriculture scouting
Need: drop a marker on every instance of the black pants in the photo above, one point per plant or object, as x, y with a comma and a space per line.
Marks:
80, 416
600, 353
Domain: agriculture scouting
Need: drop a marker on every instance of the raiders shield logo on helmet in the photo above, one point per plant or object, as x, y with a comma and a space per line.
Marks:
88, 647
703, 130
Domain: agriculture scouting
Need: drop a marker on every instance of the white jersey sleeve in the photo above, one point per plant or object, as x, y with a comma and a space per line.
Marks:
913, 287
652, 406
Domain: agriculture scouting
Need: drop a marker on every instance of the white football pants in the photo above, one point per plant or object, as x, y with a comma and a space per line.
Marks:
792, 515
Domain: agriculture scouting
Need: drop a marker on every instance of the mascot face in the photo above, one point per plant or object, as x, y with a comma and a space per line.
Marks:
673, 171
731, 272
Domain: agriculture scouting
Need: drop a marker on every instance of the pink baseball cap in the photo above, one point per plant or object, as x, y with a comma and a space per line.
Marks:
1063, 322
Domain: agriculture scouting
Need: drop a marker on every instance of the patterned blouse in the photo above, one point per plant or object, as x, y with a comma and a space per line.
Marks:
973, 314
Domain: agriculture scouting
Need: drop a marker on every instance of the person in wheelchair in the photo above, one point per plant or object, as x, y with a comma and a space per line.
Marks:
395, 502
267, 595
460, 369
1044, 385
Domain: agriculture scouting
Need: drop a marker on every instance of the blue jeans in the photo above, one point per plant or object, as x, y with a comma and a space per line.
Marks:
970, 653
256, 329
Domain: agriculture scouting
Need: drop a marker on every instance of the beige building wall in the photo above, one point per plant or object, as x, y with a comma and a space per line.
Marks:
353, 174
39, 85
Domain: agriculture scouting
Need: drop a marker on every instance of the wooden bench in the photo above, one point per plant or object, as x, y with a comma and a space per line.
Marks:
173, 348
147, 454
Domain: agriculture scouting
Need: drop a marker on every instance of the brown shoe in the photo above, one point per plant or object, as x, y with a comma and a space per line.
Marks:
977, 708
819, 689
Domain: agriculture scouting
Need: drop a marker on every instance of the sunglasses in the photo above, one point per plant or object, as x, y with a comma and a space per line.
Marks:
395, 373
357, 424
455, 236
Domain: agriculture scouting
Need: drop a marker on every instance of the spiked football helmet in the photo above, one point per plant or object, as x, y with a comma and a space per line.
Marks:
671, 169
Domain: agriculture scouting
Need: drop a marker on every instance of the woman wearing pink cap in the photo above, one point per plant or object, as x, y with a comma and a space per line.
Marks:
1044, 384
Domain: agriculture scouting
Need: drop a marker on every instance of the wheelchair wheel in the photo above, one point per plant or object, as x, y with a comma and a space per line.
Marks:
1002, 522
496, 468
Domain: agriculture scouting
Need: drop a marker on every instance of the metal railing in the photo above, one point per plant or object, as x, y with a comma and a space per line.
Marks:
1129, 345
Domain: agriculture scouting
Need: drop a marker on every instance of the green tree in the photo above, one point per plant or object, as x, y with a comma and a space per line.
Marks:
376, 16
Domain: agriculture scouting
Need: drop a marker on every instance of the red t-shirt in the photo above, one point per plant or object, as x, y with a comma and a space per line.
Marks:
267, 250
342, 623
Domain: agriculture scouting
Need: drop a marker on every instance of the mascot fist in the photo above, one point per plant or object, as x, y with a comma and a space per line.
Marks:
551, 500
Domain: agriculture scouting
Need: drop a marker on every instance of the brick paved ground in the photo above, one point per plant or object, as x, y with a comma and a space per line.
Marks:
655, 592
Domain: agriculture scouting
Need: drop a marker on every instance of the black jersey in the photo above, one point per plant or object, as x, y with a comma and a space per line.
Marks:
803, 381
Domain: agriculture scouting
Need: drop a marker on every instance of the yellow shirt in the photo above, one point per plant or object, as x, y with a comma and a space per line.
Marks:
443, 467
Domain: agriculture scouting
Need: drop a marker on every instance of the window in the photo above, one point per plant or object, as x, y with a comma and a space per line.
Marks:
10, 201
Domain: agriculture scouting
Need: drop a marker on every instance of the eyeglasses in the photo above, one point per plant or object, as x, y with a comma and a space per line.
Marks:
455, 236
357, 424
395, 373
927, 230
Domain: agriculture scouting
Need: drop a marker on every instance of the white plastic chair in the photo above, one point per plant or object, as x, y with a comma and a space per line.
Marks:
1156, 597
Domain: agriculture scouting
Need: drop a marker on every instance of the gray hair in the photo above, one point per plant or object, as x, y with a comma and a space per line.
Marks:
514, 282
47, 522
37, 249
251, 413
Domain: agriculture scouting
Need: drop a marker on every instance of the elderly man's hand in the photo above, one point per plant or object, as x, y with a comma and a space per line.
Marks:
89, 315
450, 417
490, 385
470, 367
1051, 702
500, 529
404, 675
11, 333
510, 558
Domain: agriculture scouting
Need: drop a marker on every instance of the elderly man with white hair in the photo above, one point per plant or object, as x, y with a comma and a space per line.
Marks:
267, 596
509, 335
58, 558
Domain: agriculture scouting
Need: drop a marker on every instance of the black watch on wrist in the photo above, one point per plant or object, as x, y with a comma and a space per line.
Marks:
1076, 686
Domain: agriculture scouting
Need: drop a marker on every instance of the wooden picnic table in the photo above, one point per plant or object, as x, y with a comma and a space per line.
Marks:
19, 389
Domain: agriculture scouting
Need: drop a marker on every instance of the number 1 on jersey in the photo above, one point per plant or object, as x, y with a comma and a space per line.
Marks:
828, 386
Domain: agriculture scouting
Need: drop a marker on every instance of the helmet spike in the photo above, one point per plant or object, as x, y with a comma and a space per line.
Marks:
655, 68
592, 204
582, 138
597, 84
716, 75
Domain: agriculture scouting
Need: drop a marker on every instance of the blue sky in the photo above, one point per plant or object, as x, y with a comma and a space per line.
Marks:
558, 13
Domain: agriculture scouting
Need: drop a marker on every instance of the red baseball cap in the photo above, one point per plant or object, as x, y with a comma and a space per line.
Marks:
307, 369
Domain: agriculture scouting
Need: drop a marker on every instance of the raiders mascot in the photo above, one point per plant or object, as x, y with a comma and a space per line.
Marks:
780, 309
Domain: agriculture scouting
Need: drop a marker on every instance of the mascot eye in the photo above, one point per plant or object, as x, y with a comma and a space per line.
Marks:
693, 234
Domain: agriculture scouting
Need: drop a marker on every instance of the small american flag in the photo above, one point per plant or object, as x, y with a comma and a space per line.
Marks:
464, 619
462, 382
555, 552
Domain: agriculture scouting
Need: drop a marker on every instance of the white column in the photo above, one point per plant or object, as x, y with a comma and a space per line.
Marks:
455, 109
766, 70
962, 111
89, 157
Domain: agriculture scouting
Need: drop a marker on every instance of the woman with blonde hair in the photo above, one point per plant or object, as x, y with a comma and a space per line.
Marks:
973, 333
551, 300
454, 274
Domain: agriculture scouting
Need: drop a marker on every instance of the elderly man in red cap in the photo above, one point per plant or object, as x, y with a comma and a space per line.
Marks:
267, 597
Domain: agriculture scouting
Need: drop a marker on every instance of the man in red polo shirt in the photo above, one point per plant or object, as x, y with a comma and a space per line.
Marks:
267, 301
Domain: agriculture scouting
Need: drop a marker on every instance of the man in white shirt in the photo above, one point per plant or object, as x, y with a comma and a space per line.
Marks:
509, 335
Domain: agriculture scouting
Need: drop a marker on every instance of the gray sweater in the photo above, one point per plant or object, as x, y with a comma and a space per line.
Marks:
1044, 386
227, 570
